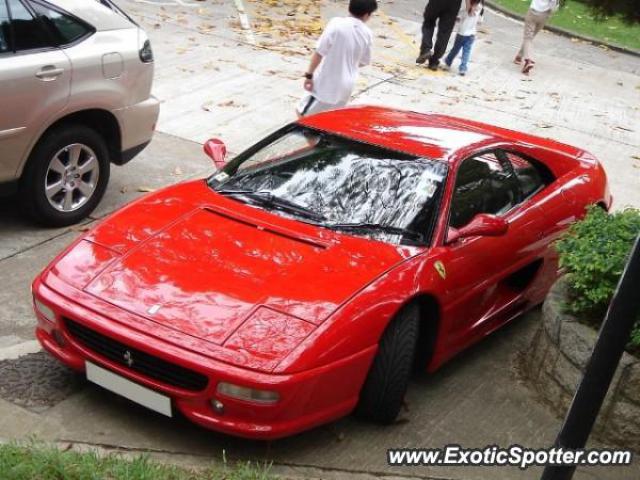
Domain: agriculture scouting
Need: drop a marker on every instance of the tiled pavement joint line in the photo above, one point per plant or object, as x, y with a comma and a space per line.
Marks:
39, 244
371, 87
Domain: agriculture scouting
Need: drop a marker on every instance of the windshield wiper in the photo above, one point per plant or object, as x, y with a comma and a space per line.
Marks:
376, 226
268, 199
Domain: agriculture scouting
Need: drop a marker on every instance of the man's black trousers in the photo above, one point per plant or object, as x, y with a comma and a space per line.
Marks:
444, 12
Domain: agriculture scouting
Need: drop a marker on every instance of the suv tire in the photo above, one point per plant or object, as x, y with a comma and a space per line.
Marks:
384, 389
66, 176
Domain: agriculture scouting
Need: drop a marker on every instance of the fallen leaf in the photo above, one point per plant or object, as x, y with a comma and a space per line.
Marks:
145, 189
543, 125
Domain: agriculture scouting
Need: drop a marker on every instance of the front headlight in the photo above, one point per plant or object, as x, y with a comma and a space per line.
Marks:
45, 311
248, 394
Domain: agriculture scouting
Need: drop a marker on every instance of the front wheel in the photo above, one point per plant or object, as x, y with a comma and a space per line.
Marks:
66, 176
384, 389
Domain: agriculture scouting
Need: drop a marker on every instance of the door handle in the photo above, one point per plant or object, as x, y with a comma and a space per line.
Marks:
49, 73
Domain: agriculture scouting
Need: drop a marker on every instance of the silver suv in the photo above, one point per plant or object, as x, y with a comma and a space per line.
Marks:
75, 96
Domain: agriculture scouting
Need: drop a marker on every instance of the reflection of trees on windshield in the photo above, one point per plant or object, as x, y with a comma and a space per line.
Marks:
349, 183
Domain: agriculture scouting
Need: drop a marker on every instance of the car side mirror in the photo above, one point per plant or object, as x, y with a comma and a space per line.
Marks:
217, 151
482, 225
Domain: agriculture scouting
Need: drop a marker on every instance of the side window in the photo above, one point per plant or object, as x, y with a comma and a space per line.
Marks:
483, 185
67, 29
530, 178
5, 28
28, 33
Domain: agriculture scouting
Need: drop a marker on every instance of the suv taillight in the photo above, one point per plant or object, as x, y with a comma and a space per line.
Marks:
146, 53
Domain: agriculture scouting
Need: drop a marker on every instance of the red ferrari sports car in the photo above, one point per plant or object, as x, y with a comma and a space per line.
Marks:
309, 275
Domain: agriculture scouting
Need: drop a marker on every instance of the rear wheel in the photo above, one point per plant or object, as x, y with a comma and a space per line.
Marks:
383, 392
66, 176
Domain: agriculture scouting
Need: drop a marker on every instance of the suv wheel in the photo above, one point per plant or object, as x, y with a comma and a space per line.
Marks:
66, 176
384, 389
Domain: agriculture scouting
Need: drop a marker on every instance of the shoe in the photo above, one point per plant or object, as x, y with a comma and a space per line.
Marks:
423, 57
517, 60
433, 66
462, 73
445, 66
528, 66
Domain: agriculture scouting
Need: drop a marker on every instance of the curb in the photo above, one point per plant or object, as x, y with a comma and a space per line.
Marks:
565, 33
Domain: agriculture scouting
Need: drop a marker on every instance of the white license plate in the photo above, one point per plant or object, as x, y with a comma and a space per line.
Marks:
128, 389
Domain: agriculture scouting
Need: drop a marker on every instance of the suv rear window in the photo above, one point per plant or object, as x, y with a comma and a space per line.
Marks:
66, 28
5, 27
28, 33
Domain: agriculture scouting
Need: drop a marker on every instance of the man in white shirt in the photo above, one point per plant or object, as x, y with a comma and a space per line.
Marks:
344, 47
535, 20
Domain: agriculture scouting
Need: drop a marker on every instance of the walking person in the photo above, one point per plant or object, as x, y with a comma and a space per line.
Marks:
444, 13
344, 46
466, 35
535, 20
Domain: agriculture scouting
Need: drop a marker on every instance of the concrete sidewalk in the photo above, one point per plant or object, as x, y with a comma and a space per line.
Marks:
216, 78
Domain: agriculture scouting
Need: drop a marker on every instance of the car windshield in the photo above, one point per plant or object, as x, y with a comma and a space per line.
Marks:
339, 184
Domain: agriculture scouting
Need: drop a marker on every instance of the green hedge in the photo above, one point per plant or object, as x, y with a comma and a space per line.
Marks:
594, 253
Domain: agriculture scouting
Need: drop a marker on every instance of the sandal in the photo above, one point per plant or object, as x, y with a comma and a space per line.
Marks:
517, 60
528, 66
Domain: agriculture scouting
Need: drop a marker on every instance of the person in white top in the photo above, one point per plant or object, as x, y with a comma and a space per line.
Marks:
469, 18
535, 20
344, 47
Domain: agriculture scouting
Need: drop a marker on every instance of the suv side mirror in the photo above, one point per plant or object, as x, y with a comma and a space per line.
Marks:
217, 151
482, 225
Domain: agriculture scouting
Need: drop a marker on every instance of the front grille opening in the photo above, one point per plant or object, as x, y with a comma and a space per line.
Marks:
136, 360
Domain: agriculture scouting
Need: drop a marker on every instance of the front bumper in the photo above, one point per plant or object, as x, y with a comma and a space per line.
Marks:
307, 398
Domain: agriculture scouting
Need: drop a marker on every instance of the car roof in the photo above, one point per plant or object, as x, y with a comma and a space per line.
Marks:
428, 135
94, 13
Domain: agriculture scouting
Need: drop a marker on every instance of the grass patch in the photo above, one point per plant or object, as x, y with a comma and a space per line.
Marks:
578, 18
34, 461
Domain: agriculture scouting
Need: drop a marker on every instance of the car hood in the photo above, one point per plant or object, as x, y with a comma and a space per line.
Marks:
222, 271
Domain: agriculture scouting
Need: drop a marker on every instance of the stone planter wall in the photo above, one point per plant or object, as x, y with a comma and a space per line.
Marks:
555, 362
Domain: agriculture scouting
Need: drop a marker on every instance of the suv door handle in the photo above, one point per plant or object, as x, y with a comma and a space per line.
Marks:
49, 73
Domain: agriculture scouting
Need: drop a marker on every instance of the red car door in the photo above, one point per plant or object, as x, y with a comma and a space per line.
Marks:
486, 277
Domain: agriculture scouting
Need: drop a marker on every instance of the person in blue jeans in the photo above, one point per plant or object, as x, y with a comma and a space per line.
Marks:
468, 19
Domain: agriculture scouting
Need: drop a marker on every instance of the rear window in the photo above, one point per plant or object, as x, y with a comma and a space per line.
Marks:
5, 28
66, 28
28, 33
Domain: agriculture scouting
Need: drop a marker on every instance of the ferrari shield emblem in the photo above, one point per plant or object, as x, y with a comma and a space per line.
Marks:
439, 266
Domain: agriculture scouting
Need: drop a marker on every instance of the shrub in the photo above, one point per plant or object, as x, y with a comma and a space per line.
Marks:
594, 253
628, 9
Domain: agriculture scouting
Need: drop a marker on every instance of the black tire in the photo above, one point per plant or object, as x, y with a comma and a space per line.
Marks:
32, 185
384, 389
